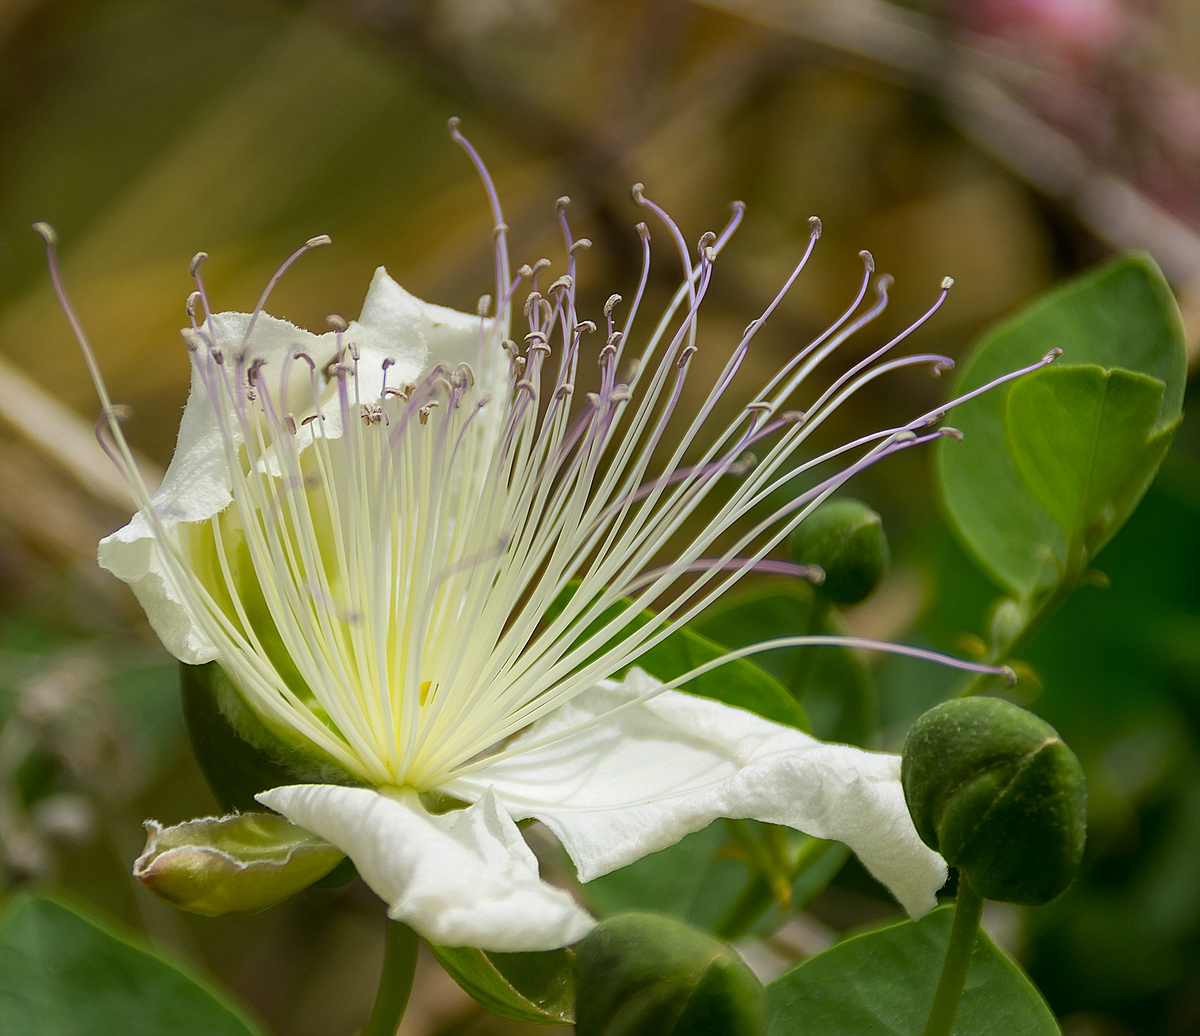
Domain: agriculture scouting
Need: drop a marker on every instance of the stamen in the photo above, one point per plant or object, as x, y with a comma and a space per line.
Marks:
501, 229
765, 566
308, 246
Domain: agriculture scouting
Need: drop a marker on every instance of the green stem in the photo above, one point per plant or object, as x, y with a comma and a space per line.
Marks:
395, 984
967, 912
1035, 624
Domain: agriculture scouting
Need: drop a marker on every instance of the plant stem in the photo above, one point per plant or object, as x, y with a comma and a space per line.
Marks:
967, 911
1031, 629
395, 984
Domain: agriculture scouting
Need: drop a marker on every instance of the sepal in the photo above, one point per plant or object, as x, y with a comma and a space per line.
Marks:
238, 864
528, 987
239, 752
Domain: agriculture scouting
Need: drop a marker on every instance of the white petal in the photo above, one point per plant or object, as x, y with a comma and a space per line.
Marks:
464, 878
196, 485
640, 780
131, 555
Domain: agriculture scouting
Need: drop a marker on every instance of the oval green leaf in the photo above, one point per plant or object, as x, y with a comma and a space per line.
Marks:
528, 987
63, 974
1120, 316
740, 683
882, 984
832, 684
1082, 439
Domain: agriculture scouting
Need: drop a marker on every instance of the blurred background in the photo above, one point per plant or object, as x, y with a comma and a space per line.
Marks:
1009, 143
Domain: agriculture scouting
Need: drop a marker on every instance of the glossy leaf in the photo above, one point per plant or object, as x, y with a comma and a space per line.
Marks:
1082, 440
740, 683
833, 685
62, 974
882, 984
1120, 316
528, 987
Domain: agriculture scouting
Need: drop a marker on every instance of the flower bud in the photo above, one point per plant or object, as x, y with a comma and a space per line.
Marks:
846, 539
237, 864
994, 789
1006, 623
645, 975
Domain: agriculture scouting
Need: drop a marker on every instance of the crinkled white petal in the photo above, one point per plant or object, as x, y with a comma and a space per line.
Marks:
394, 325
464, 878
637, 781
132, 555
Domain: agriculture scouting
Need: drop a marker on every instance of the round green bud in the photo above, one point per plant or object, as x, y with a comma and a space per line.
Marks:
997, 792
845, 537
645, 975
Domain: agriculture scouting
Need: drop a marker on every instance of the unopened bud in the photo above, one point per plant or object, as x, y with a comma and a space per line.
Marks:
845, 539
646, 975
1007, 621
994, 789
238, 864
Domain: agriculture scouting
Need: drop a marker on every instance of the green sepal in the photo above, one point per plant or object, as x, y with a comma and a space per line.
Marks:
739, 683
239, 864
240, 753
342, 874
882, 984
998, 793
527, 987
646, 975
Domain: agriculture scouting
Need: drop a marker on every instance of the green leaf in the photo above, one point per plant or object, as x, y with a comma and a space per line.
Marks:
673, 880
1081, 439
702, 876
62, 974
882, 984
739, 683
1120, 316
833, 685
529, 987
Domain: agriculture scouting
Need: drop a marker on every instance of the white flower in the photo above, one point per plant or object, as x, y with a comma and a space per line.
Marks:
367, 529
